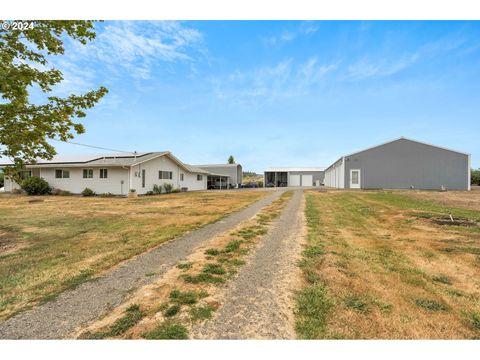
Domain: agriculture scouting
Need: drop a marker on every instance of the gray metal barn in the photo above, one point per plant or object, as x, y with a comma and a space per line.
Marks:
294, 176
401, 164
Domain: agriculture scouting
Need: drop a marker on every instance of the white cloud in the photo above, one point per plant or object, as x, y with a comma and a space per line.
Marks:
383, 66
304, 29
285, 79
135, 46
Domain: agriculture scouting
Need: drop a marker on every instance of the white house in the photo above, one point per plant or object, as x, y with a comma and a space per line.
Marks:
116, 173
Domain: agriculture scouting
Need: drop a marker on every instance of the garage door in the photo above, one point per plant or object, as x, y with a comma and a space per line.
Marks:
294, 180
307, 180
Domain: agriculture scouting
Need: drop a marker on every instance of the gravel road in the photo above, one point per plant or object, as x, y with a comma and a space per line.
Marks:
258, 303
75, 308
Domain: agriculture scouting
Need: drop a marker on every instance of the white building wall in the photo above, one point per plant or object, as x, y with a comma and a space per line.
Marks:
76, 183
163, 163
335, 175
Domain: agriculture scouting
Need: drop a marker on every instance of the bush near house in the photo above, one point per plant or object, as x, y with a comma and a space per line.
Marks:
60, 192
35, 185
475, 177
88, 192
167, 188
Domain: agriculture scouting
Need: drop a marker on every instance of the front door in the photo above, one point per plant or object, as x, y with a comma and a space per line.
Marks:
355, 179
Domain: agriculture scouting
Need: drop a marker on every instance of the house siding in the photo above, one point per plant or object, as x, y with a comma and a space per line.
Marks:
163, 163
404, 163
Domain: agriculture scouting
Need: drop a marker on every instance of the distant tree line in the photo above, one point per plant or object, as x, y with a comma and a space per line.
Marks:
475, 177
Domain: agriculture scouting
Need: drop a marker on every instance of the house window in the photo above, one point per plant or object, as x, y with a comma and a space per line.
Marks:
103, 173
88, 173
168, 175
25, 174
62, 174
181, 177
199, 177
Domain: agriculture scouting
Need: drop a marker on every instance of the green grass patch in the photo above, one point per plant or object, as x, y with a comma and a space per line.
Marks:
185, 265
475, 320
167, 332
212, 252
357, 303
172, 310
313, 250
232, 246
442, 279
215, 269
313, 307
183, 297
430, 305
200, 313
203, 278
132, 316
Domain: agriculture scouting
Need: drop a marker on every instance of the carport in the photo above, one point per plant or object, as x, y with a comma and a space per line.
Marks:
216, 181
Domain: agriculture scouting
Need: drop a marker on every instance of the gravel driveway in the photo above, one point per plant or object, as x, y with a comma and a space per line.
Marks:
258, 303
75, 308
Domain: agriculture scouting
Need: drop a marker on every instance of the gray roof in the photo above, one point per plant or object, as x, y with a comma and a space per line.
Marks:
216, 165
110, 160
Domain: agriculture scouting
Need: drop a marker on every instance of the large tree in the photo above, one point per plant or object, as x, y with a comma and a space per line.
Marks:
25, 128
231, 159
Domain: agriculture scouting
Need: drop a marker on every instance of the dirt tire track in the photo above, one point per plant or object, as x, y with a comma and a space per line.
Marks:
258, 303
76, 308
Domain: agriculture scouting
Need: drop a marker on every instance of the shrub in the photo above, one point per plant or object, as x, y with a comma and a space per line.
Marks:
157, 189
107, 194
133, 190
149, 193
35, 185
172, 310
167, 188
176, 190
88, 192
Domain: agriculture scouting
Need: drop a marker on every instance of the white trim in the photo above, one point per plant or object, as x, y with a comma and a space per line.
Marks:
469, 177
359, 185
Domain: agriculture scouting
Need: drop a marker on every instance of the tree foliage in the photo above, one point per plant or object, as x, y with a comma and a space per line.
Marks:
231, 159
475, 177
26, 127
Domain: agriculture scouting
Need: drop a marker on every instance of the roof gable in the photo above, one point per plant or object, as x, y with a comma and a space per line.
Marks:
407, 139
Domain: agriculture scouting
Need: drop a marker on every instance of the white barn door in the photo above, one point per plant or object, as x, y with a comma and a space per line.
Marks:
294, 180
307, 180
355, 182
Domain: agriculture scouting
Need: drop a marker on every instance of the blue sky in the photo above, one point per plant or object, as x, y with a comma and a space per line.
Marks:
277, 93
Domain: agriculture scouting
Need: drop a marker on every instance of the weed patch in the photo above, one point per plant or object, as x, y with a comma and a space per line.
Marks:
132, 316
200, 313
442, 279
430, 305
167, 332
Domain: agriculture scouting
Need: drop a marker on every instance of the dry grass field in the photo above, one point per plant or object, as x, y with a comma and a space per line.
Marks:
391, 265
49, 244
